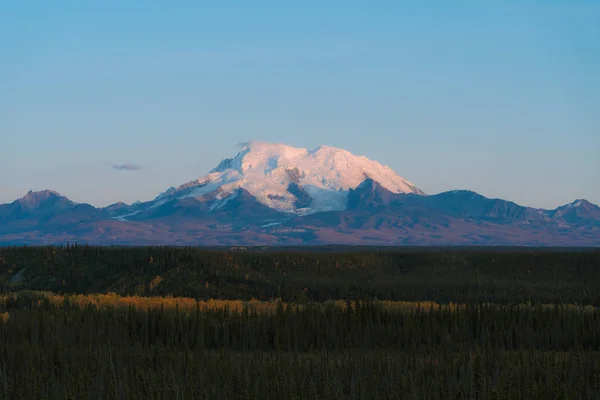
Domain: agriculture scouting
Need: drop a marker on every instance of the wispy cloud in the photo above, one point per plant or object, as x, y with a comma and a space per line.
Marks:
126, 167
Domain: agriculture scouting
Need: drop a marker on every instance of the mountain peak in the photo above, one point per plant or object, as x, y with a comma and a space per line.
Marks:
579, 212
276, 174
578, 206
464, 194
328, 149
34, 198
40, 193
579, 203
369, 194
40, 202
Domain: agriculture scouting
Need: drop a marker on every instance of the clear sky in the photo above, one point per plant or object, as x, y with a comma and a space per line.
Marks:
500, 99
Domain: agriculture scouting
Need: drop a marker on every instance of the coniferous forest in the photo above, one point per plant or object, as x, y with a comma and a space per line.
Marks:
83, 322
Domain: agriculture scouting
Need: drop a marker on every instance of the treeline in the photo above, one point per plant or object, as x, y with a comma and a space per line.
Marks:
361, 351
305, 328
469, 276
187, 304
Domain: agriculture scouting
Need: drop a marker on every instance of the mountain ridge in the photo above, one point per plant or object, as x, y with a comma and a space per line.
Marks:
402, 219
271, 194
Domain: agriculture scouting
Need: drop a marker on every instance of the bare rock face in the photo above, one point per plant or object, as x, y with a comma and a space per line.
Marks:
370, 194
303, 199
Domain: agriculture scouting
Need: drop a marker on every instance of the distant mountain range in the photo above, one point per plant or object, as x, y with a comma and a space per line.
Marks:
272, 194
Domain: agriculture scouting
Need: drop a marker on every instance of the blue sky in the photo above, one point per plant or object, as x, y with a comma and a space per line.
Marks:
500, 99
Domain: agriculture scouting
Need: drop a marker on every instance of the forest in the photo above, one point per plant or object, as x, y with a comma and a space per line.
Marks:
83, 322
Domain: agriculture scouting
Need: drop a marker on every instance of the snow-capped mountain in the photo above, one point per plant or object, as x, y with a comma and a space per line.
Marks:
273, 194
291, 180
